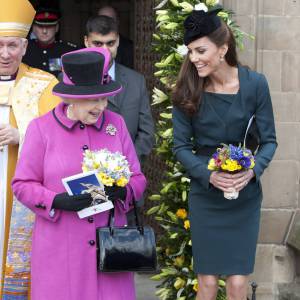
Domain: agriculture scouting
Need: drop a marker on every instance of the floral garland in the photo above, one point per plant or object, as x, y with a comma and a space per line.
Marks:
176, 279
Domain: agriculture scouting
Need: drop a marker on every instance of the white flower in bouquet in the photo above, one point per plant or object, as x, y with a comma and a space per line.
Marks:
201, 6
182, 50
112, 167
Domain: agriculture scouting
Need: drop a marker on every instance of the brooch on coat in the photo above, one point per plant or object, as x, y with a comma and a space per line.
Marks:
111, 129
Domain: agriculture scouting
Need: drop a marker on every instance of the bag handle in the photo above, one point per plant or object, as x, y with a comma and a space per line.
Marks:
111, 219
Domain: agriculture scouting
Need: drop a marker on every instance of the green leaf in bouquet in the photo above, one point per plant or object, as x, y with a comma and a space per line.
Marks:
184, 195
175, 2
172, 216
173, 236
152, 210
186, 7
154, 197
156, 277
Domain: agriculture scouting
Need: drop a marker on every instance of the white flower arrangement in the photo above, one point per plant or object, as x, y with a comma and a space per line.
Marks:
112, 168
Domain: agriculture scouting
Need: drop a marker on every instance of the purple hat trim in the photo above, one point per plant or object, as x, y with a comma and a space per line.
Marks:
102, 95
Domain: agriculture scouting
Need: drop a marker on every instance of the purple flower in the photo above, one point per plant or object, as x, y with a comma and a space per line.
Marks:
236, 153
245, 162
215, 155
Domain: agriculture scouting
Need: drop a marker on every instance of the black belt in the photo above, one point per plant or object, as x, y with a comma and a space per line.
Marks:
210, 150
206, 150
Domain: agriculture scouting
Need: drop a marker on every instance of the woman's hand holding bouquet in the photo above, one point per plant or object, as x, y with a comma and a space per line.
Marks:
233, 169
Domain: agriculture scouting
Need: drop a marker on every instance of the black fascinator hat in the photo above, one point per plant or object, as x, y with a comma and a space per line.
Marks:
200, 23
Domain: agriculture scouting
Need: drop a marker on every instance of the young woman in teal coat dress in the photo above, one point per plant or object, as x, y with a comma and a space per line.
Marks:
214, 99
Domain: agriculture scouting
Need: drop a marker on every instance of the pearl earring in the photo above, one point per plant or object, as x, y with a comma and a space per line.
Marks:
221, 58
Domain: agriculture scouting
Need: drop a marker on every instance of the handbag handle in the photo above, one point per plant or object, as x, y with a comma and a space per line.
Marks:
111, 219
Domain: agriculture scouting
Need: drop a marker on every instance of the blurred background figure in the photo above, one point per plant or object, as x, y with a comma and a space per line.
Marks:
44, 51
125, 55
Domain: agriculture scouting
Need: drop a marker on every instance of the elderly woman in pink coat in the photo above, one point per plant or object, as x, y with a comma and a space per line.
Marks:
64, 261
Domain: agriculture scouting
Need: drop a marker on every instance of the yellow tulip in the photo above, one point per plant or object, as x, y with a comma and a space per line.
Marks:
211, 165
179, 283
181, 213
106, 180
187, 224
121, 181
195, 287
179, 261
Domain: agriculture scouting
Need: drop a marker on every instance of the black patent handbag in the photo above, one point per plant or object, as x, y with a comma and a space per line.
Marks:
127, 248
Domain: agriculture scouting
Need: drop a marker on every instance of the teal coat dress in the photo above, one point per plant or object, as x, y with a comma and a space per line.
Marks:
224, 232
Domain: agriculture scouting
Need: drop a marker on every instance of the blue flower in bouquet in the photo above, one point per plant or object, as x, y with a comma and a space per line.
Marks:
236, 153
245, 162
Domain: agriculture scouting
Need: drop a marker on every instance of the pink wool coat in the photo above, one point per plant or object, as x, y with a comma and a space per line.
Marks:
64, 259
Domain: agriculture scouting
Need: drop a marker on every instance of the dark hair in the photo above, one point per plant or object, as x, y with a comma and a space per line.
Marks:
189, 87
113, 9
102, 25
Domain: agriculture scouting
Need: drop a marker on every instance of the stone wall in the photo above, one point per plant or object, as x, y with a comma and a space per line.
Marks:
276, 53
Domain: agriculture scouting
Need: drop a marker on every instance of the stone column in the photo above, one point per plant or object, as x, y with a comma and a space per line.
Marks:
276, 53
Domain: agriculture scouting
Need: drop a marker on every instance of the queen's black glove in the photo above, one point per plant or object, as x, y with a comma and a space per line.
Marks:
72, 203
115, 192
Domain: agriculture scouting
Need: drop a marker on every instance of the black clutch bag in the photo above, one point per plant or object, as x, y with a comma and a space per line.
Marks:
126, 249
252, 137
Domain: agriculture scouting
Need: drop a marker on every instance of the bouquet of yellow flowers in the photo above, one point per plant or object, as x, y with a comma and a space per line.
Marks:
233, 159
112, 167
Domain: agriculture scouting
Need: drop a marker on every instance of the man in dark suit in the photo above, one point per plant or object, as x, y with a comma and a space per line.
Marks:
133, 102
125, 54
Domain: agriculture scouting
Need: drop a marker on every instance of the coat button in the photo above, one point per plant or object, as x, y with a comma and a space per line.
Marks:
42, 206
81, 126
85, 147
92, 242
90, 219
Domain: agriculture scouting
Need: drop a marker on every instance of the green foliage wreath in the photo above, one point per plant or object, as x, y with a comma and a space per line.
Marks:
177, 279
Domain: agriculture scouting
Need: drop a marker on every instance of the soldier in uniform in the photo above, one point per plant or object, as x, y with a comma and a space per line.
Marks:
45, 51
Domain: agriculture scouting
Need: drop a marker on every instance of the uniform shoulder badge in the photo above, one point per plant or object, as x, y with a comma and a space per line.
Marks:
71, 45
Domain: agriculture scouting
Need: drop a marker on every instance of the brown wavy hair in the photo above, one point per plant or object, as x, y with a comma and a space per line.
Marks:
189, 86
